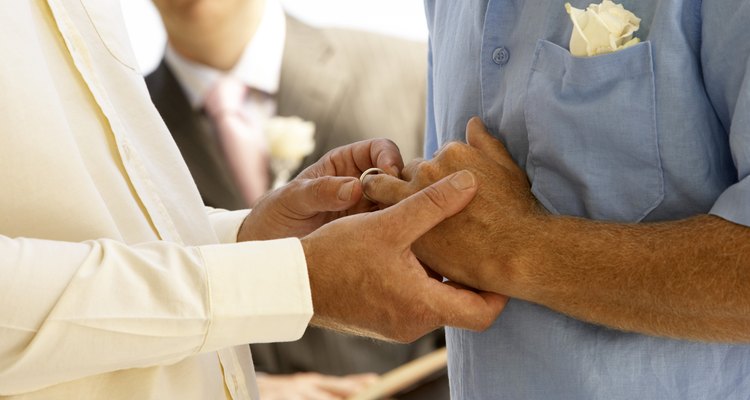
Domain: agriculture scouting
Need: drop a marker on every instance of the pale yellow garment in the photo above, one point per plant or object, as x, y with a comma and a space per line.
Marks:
112, 281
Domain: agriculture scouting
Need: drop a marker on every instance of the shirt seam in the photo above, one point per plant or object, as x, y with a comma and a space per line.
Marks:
209, 302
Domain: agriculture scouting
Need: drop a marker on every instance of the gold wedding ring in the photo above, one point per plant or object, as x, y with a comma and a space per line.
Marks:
370, 171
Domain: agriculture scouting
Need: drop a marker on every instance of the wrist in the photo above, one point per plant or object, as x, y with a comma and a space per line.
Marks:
552, 271
527, 267
248, 231
309, 248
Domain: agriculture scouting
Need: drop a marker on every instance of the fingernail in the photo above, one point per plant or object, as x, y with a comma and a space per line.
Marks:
462, 180
345, 191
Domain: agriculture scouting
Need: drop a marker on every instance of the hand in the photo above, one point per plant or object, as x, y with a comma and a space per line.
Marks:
323, 192
479, 246
312, 386
365, 279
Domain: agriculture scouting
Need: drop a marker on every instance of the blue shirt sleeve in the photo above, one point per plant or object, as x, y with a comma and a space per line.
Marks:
725, 53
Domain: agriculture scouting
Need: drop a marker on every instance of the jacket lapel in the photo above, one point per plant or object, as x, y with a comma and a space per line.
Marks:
194, 136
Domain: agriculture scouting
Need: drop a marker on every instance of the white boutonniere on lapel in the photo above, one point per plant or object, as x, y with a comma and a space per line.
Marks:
601, 29
290, 140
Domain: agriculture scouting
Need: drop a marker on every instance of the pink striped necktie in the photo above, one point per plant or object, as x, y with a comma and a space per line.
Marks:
241, 137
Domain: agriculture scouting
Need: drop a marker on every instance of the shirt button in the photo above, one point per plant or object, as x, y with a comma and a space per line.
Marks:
500, 56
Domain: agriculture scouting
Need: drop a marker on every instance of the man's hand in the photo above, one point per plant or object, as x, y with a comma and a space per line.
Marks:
459, 248
326, 190
366, 280
676, 279
312, 386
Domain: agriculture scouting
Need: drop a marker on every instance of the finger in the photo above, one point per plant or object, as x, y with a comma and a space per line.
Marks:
380, 153
420, 212
480, 138
353, 159
410, 170
323, 194
465, 308
385, 189
387, 156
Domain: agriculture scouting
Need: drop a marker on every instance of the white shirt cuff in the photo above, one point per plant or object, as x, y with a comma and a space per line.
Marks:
226, 224
258, 292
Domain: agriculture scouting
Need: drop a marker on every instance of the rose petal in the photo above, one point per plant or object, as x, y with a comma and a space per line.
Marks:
601, 28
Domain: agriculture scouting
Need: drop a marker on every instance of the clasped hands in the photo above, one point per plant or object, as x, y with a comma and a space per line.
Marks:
376, 268
490, 245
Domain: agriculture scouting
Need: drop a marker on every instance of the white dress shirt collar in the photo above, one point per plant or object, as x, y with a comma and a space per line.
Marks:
266, 45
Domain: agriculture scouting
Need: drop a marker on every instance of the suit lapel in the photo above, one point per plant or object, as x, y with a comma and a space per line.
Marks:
313, 81
195, 139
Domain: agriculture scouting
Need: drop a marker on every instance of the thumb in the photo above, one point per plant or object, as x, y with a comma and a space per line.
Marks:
421, 211
328, 193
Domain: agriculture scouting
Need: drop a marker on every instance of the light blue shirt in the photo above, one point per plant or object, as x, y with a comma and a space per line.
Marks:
658, 131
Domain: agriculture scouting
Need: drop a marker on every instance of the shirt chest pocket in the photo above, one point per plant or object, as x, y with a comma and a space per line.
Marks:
106, 18
593, 149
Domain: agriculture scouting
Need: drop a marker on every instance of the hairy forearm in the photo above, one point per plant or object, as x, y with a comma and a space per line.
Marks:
688, 279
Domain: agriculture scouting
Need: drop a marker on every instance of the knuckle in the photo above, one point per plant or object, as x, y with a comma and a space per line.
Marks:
425, 171
384, 143
326, 165
336, 157
316, 188
452, 147
410, 170
413, 164
385, 150
436, 196
421, 167
454, 153
433, 173
329, 155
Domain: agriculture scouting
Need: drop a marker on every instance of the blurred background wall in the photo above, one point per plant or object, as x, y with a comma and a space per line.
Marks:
403, 18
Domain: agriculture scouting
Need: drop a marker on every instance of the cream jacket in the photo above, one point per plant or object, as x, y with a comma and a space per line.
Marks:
113, 284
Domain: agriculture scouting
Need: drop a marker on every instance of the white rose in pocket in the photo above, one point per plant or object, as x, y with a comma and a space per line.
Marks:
601, 29
290, 140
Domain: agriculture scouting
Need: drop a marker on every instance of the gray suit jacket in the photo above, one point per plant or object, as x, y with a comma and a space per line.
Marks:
354, 86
